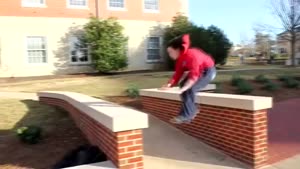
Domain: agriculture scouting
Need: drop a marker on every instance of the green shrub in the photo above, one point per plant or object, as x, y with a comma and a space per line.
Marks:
29, 134
132, 91
261, 79
236, 79
291, 83
107, 44
270, 86
284, 78
244, 87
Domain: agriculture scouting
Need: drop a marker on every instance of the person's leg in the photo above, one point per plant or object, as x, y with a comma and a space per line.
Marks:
188, 107
207, 77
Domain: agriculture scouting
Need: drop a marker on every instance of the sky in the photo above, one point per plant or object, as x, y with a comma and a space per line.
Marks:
235, 17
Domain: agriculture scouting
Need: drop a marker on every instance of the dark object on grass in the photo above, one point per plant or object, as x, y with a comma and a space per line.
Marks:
261, 79
244, 87
29, 134
236, 79
291, 83
85, 154
270, 86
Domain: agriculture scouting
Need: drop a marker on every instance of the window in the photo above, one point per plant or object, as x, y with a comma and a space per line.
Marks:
153, 49
33, 3
116, 4
36, 49
151, 5
79, 53
77, 3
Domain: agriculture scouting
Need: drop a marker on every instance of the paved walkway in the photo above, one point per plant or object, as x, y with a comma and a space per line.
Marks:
168, 148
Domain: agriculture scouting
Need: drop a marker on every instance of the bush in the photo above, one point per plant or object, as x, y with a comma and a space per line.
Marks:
107, 44
244, 87
261, 79
132, 91
212, 39
284, 78
29, 134
270, 86
236, 79
291, 83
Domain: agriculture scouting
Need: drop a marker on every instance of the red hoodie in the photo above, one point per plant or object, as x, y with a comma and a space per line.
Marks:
191, 59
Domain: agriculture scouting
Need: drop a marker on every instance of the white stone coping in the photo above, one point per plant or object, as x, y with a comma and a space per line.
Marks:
209, 87
101, 165
113, 116
252, 103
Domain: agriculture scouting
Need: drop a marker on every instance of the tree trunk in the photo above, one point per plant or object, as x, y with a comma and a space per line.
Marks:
293, 49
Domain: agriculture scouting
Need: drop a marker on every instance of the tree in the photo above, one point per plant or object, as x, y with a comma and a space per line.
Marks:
107, 44
263, 44
288, 13
212, 40
180, 25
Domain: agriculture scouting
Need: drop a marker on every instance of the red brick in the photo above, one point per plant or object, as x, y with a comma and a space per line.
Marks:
140, 164
133, 137
134, 148
127, 155
134, 160
124, 133
140, 141
125, 144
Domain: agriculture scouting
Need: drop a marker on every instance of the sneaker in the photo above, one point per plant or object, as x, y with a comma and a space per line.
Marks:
197, 111
180, 120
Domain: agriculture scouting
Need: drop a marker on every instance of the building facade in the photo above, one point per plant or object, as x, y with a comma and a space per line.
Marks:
37, 37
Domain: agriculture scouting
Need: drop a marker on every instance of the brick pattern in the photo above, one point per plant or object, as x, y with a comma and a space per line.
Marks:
124, 149
241, 134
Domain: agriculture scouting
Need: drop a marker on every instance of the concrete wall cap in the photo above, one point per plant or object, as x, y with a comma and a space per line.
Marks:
113, 116
252, 103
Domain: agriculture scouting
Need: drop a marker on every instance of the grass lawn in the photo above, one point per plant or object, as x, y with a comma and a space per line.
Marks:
115, 85
60, 134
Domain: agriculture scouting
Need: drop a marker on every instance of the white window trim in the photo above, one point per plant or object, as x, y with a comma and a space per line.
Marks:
26, 4
150, 10
78, 63
46, 49
160, 45
77, 6
116, 8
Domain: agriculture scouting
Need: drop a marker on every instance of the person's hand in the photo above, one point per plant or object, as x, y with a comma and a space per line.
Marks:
165, 87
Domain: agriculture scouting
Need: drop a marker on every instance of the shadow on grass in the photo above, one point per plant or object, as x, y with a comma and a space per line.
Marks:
60, 135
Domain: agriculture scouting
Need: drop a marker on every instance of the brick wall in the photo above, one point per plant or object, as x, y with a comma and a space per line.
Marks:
242, 134
124, 149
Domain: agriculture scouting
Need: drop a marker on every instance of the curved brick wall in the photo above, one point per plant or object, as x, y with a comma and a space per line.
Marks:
123, 148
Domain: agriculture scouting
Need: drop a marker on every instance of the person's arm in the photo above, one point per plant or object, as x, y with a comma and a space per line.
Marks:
177, 75
193, 76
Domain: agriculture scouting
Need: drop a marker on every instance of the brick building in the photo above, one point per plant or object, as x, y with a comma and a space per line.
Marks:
37, 37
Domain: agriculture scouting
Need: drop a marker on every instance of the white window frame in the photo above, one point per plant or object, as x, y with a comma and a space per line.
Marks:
26, 50
151, 10
70, 54
160, 45
28, 4
69, 5
116, 8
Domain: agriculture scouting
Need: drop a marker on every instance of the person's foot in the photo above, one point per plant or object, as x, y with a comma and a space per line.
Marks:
197, 111
180, 120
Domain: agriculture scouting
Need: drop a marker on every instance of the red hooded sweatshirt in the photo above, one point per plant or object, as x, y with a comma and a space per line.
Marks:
191, 59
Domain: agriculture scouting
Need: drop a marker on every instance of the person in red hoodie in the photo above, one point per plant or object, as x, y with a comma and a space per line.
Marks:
201, 71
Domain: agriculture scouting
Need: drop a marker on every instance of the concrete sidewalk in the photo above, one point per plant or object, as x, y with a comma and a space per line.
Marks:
169, 148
